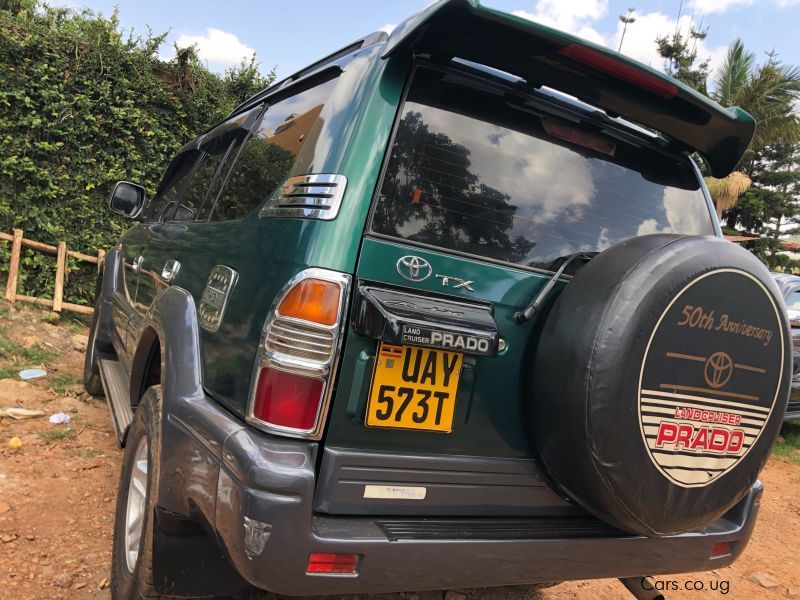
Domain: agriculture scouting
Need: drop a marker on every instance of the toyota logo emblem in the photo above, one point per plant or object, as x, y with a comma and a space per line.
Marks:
414, 268
718, 369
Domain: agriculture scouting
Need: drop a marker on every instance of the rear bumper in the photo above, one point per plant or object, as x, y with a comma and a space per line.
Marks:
793, 408
266, 524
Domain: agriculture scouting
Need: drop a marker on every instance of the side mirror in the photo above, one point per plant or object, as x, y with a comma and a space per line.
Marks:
127, 199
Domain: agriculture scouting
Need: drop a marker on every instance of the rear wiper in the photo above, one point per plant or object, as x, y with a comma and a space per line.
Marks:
537, 303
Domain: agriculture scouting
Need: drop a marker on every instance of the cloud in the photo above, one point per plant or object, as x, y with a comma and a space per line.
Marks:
573, 17
719, 6
711, 6
676, 215
217, 46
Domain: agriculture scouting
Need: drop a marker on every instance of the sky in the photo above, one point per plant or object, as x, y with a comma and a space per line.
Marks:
289, 34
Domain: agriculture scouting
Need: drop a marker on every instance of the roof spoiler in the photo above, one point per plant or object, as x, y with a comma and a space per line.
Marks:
594, 74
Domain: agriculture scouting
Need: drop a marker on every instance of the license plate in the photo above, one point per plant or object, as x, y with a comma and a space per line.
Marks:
414, 388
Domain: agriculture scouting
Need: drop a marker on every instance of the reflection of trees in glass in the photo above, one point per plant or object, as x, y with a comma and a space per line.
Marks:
261, 167
198, 187
429, 188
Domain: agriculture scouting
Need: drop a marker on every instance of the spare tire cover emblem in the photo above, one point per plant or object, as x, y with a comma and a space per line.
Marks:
710, 377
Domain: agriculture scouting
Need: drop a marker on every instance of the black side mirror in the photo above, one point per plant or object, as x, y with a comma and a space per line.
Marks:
127, 199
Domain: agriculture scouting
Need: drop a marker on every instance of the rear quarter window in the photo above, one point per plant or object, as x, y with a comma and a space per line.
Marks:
484, 173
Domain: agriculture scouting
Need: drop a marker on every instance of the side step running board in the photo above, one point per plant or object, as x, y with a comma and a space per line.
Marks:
116, 387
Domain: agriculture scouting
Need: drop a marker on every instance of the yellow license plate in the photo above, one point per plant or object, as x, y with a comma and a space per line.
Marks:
414, 388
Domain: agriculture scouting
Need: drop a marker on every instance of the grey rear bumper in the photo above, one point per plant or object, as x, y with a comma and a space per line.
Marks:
262, 511
272, 484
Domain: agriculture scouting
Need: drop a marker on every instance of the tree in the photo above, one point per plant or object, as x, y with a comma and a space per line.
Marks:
457, 209
726, 191
771, 207
769, 92
679, 52
84, 104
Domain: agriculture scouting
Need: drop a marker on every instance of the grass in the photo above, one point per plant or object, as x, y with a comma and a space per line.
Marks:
19, 356
55, 435
789, 448
85, 452
25, 354
63, 382
50, 317
76, 327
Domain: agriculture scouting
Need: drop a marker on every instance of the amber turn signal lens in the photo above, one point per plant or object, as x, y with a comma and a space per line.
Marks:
312, 300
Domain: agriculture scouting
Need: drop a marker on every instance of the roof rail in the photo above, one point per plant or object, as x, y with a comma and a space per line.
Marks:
373, 38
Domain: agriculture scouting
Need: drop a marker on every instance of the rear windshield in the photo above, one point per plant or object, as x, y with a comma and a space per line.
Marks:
487, 173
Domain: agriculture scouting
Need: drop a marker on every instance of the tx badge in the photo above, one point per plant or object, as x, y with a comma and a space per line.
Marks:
415, 268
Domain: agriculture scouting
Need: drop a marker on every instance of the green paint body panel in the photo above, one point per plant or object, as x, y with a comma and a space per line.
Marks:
489, 418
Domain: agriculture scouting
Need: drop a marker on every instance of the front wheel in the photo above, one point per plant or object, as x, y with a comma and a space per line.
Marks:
132, 553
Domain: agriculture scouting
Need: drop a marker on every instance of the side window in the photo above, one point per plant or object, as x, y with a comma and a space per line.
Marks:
217, 148
267, 157
793, 300
174, 180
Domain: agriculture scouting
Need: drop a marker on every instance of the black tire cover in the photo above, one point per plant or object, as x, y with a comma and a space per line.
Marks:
659, 382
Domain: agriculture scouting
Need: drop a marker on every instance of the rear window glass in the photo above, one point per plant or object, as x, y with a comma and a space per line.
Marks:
486, 173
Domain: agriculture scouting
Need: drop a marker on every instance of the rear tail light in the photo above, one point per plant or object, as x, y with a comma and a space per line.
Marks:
313, 300
293, 374
286, 399
721, 549
321, 562
620, 69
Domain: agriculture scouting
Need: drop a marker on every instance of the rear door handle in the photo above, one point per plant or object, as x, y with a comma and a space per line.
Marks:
137, 264
170, 270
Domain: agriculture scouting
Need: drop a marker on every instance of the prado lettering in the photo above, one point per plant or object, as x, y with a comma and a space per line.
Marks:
687, 436
459, 342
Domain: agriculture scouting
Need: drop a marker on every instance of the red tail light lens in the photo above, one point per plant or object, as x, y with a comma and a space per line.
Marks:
721, 549
620, 69
320, 562
287, 400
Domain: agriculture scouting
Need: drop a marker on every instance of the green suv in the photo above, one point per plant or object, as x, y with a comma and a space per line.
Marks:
448, 308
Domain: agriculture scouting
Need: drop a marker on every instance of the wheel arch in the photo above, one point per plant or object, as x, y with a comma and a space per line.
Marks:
168, 353
168, 347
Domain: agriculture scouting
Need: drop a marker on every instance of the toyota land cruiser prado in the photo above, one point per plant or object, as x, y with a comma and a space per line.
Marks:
448, 308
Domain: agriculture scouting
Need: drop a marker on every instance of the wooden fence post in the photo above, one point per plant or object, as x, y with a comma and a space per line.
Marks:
13, 267
61, 267
101, 254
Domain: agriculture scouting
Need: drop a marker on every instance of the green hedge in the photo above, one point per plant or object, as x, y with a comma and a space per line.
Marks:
83, 105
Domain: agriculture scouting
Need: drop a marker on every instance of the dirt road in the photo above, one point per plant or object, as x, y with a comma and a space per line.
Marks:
57, 492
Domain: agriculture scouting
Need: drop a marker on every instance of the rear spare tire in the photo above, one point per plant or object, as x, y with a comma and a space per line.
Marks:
659, 382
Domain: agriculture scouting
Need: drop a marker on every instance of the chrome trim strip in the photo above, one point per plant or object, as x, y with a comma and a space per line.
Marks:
322, 370
313, 196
